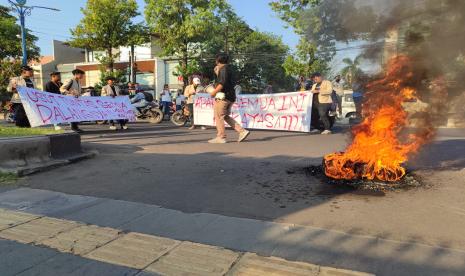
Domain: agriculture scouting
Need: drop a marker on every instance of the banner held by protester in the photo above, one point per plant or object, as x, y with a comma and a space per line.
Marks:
43, 108
283, 111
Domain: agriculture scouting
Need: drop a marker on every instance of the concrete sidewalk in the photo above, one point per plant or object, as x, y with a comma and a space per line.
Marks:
142, 253
293, 243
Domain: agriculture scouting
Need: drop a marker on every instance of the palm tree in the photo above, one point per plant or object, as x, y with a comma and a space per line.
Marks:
351, 70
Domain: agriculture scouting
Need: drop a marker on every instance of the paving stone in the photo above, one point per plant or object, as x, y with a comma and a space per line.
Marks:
195, 259
38, 230
133, 250
16, 257
82, 240
253, 265
11, 218
67, 264
329, 271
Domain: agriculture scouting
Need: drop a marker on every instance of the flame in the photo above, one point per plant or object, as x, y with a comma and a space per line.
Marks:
377, 151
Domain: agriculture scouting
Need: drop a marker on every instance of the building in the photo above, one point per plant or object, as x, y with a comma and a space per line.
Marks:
152, 71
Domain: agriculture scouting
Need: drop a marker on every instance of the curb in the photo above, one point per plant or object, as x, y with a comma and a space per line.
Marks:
28, 155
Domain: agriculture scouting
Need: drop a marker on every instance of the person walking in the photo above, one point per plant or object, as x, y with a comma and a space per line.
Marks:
358, 91
323, 89
112, 90
339, 89
25, 79
53, 86
225, 97
191, 90
73, 87
166, 100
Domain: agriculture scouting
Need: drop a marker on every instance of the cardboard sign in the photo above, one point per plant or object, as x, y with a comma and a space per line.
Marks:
284, 111
43, 108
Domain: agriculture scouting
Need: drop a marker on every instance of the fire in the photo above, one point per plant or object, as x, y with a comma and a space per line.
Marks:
379, 150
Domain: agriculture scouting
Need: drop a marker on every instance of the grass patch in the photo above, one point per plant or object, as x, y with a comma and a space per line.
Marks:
7, 178
7, 131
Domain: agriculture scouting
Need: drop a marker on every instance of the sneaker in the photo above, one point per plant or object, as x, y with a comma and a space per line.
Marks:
326, 132
314, 131
192, 128
243, 135
203, 128
125, 127
58, 128
217, 140
112, 128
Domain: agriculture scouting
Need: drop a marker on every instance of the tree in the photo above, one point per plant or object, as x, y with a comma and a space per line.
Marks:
259, 61
10, 44
321, 23
107, 24
183, 26
10, 49
352, 68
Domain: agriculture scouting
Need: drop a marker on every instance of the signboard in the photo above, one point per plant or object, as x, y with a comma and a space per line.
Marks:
284, 111
43, 108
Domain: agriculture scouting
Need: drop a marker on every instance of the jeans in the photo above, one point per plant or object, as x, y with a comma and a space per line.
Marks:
222, 111
339, 104
20, 115
166, 107
140, 104
315, 120
323, 109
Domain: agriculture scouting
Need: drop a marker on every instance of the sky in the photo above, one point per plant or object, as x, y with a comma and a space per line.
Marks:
49, 25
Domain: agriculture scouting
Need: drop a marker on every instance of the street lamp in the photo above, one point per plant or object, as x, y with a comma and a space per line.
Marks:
23, 10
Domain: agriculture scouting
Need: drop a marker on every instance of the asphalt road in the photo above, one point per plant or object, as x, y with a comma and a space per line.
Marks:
265, 178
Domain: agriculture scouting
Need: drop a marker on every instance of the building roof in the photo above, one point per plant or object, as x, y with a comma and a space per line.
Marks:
42, 60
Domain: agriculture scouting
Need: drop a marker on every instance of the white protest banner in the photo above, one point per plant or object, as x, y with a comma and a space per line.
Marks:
43, 108
283, 111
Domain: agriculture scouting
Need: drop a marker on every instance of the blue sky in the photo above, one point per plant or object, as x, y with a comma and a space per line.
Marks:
49, 25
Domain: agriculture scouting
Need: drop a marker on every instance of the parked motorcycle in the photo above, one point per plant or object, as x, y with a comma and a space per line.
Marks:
181, 117
152, 113
8, 113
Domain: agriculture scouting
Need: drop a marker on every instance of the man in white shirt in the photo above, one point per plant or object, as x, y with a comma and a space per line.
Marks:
166, 99
73, 87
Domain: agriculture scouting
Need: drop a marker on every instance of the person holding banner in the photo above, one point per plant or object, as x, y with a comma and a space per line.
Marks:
53, 86
112, 90
73, 88
323, 88
25, 80
225, 97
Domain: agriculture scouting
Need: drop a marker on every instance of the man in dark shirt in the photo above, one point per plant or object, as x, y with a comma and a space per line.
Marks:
53, 86
225, 97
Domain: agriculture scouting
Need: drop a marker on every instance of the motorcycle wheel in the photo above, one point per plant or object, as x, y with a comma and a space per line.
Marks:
178, 118
156, 116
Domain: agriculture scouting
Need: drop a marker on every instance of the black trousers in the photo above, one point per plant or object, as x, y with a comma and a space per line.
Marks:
20, 115
120, 122
315, 121
190, 107
74, 126
323, 110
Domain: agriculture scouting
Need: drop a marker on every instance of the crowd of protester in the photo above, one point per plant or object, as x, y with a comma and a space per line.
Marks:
327, 97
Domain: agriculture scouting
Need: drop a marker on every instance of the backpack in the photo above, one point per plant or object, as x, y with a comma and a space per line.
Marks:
148, 96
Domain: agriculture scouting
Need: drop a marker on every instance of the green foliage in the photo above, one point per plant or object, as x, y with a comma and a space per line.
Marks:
10, 44
183, 26
7, 178
107, 24
259, 61
119, 75
6, 131
8, 69
352, 70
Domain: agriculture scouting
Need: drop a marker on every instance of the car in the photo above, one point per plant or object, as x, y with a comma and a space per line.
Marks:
348, 105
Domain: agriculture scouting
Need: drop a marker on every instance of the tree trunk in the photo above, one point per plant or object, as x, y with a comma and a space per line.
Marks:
111, 65
185, 61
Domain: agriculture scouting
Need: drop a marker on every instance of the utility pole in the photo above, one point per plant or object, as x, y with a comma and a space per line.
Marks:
23, 10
